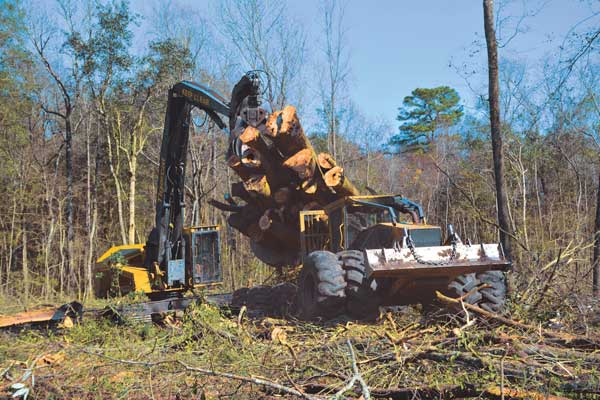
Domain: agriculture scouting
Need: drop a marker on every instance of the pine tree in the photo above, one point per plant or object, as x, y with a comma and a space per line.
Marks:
423, 113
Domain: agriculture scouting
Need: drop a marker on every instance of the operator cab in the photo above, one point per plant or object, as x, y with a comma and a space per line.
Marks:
366, 222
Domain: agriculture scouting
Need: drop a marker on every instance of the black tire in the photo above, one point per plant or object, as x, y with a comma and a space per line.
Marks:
363, 301
491, 299
321, 286
494, 297
462, 285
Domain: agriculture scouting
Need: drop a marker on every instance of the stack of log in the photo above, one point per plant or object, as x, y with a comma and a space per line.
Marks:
280, 175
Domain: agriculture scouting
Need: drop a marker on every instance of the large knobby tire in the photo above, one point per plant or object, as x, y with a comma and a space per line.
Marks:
363, 301
494, 297
491, 299
321, 286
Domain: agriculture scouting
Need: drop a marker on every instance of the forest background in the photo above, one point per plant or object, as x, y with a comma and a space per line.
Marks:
83, 89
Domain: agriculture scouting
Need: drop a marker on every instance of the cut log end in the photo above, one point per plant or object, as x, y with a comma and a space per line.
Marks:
302, 163
250, 135
265, 221
251, 158
326, 161
335, 179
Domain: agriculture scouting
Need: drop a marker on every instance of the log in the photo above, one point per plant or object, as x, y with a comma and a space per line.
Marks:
283, 195
326, 161
285, 129
269, 157
238, 190
239, 168
251, 158
335, 179
224, 207
302, 163
258, 187
241, 222
251, 137
278, 233
255, 233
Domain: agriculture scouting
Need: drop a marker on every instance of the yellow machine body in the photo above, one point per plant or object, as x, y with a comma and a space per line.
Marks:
120, 270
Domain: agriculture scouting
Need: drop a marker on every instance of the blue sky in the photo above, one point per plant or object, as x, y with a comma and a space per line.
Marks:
398, 45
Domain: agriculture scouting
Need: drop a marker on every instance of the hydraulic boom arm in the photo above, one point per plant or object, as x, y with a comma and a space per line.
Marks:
165, 241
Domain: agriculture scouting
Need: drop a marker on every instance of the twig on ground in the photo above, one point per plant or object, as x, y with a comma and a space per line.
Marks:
247, 379
203, 371
356, 377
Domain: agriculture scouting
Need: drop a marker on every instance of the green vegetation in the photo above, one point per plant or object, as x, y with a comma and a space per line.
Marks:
423, 114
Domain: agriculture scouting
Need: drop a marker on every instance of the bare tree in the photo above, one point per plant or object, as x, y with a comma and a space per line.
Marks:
265, 37
337, 67
496, 132
67, 87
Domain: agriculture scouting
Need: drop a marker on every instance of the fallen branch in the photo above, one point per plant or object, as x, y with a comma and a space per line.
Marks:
410, 393
445, 392
566, 339
209, 372
493, 392
247, 379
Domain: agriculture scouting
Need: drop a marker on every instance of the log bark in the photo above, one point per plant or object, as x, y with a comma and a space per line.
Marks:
277, 232
282, 196
285, 129
258, 187
239, 168
223, 206
238, 190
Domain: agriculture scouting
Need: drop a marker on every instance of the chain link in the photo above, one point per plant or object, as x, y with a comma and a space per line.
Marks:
420, 260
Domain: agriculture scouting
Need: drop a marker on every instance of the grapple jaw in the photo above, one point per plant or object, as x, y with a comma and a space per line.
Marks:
435, 261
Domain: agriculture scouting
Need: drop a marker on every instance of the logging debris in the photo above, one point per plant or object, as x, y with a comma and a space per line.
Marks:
218, 352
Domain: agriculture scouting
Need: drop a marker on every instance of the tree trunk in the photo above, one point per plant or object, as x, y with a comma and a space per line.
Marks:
69, 198
24, 262
132, 189
93, 195
11, 241
596, 260
496, 130
114, 171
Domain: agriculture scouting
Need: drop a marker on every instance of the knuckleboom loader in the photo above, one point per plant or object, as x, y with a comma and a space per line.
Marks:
175, 258
357, 252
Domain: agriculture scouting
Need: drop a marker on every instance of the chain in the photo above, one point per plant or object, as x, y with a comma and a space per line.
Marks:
420, 260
